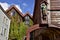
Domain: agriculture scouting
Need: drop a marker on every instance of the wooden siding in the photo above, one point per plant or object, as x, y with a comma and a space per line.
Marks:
55, 17
55, 4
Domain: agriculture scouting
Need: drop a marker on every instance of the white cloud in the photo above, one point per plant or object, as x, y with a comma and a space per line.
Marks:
18, 7
24, 4
4, 5
31, 13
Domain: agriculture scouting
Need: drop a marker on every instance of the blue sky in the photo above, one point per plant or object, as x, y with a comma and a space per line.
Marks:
25, 5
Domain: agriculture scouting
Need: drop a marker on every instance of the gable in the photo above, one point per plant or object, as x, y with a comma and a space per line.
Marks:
3, 11
13, 10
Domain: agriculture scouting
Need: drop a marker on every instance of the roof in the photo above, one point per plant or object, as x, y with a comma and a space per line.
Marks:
44, 1
28, 14
4, 11
15, 8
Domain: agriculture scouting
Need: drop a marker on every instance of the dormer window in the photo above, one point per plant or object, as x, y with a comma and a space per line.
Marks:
44, 11
27, 18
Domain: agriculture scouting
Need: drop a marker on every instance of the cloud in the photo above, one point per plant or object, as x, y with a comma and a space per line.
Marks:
18, 7
24, 4
4, 5
31, 13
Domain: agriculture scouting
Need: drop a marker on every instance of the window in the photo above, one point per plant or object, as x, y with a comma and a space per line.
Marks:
4, 20
44, 10
4, 31
13, 13
27, 20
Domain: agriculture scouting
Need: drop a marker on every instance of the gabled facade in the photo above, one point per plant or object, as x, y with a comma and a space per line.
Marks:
28, 19
4, 24
16, 19
14, 11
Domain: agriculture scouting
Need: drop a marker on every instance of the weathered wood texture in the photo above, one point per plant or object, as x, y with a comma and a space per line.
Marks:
55, 4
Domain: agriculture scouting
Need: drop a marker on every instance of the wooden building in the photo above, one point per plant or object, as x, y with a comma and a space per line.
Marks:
46, 21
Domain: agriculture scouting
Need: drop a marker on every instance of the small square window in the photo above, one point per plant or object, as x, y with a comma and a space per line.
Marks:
13, 13
26, 17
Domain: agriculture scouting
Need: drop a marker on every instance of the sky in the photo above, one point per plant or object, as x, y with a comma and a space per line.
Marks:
22, 5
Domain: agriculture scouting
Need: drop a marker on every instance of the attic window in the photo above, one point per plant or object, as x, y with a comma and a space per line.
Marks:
44, 10
13, 13
27, 18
